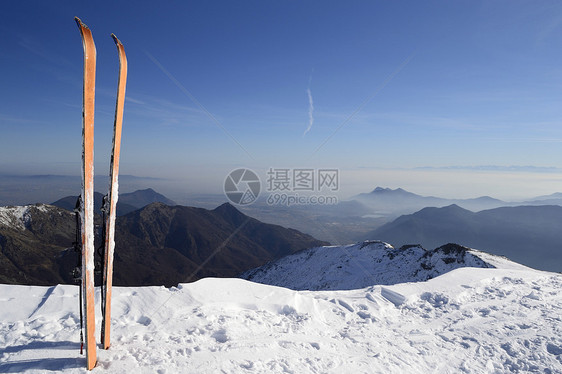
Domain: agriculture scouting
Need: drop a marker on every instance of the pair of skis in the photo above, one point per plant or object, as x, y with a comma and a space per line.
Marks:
87, 194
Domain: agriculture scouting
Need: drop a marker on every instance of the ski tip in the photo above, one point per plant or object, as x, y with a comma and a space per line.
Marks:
116, 40
80, 23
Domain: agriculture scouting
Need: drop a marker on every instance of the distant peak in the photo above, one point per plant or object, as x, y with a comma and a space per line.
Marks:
227, 207
146, 191
452, 208
140, 198
228, 212
379, 190
450, 211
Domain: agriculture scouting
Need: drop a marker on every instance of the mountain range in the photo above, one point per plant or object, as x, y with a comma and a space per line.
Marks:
155, 245
399, 201
357, 219
530, 235
163, 244
393, 202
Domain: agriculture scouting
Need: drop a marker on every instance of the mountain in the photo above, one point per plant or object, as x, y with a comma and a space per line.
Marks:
224, 240
469, 320
556, 195
364, 264
545, 201
530, 235
32, 244
381, 194
398, 201
126, 203
155, 245
142, 198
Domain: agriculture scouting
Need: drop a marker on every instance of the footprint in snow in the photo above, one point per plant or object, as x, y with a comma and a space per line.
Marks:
435, 299
144, 320
553, 349
220, 336
365, 315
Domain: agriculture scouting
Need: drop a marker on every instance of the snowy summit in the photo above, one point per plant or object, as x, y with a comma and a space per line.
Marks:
371, 262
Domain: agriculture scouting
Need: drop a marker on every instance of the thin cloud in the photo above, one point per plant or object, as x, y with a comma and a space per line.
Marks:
10, 120
134, 101
34, 46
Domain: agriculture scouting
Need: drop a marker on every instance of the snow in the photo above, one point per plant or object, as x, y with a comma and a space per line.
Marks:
87, 219
372, 262
18, 217
471, 320
13, 216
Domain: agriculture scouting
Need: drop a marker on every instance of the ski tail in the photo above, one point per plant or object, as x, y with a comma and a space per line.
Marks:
87, 213
112, 197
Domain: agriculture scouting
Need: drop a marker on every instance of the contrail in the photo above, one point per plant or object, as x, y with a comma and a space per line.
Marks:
189, 95
310, 111
310, 105
379, 89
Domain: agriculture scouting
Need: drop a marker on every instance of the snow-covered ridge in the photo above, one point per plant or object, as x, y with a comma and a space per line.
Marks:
13, 216
18, 217
369, 263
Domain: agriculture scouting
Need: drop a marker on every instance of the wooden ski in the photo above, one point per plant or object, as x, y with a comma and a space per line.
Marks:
112, 197
87, 211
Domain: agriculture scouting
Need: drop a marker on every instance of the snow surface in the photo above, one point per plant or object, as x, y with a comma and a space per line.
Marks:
372, 262
13, 216
470, 320
18, 217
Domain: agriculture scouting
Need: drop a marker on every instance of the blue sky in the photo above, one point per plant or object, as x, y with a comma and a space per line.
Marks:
395, 86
